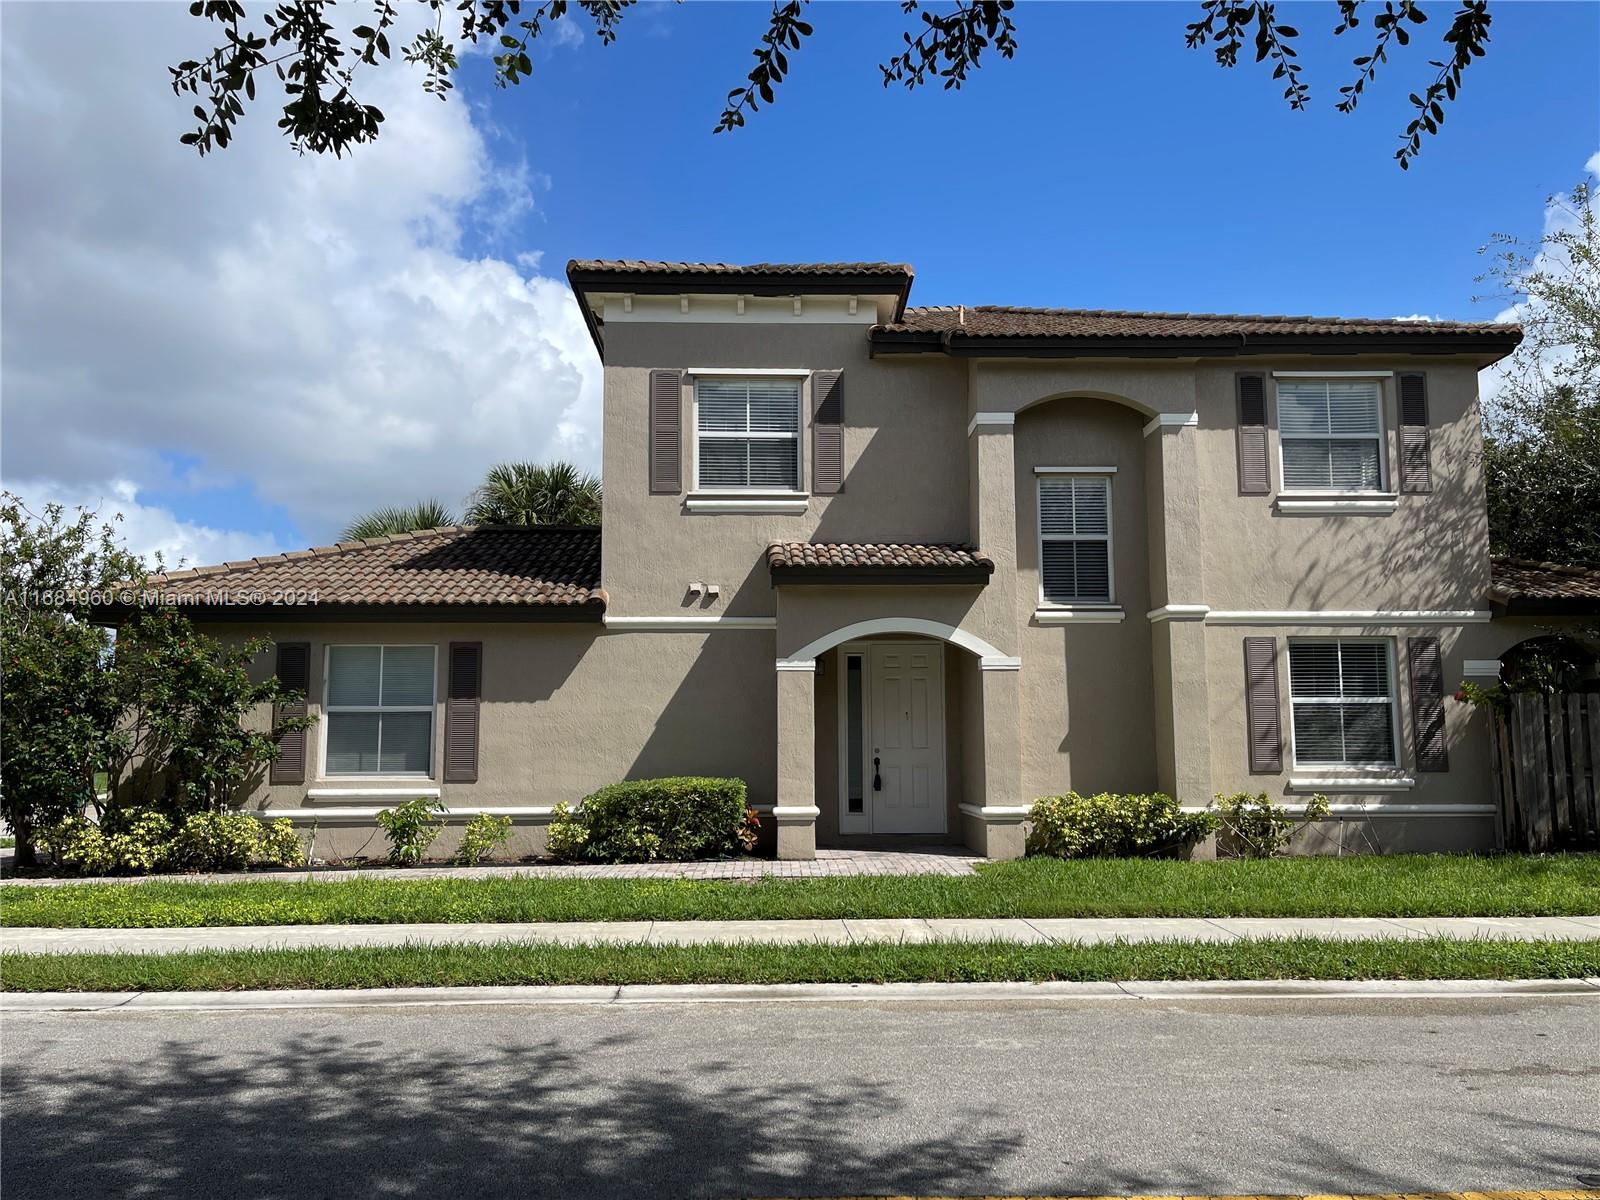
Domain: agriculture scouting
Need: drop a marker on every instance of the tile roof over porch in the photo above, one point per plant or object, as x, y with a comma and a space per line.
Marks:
877, 562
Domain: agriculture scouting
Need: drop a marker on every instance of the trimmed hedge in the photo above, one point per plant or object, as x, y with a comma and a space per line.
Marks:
646, 820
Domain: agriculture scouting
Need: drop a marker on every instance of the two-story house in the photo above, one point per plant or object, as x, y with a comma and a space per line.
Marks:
906, 569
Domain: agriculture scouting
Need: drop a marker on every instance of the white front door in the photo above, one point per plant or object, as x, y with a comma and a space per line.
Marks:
905, 737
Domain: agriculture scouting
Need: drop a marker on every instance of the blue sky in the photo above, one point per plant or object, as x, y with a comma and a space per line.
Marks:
241, 353
1107, 165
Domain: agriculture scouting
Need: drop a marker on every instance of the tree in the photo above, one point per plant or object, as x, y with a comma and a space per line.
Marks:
522, 493
58, 708
184, 741
1542, 426
318, 68
380, 522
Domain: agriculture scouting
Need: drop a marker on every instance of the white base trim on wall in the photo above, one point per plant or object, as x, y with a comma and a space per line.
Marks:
997, 814
795, 814
535, 814
1383, 808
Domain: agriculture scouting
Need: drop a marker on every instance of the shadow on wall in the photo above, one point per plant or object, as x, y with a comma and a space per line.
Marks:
721, 720
319, 1115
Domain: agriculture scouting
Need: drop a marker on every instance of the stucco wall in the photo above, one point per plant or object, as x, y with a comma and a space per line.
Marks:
1087, 699
905, 463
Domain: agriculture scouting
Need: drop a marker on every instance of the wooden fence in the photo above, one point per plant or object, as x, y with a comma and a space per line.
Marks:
1546, 761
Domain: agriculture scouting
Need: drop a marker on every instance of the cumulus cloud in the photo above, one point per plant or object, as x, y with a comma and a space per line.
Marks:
148, 530
312, 328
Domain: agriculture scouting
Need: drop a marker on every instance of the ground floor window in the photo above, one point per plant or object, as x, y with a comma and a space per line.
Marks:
379, 710
1342, 695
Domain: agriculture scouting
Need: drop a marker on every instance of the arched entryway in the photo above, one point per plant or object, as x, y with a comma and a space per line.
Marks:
896, 729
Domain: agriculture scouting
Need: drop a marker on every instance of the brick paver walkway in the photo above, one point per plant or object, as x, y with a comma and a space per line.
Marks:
931, 860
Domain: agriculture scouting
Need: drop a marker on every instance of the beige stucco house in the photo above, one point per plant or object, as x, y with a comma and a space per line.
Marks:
906, 569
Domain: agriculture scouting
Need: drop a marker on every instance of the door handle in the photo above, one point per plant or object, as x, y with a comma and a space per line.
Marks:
877, 780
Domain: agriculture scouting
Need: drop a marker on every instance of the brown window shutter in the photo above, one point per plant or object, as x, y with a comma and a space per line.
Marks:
294, 672
461, 712
827, 432
1261, 705
1254, 479
1426, 668
1416, 472
666, 432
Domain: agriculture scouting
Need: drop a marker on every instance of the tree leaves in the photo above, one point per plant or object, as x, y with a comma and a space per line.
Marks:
784, 28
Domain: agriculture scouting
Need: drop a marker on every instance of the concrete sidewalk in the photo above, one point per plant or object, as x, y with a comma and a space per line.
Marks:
1064, 930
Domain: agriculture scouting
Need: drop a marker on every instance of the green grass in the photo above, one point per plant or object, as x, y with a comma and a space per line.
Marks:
1411, 885
473, 965
8, 842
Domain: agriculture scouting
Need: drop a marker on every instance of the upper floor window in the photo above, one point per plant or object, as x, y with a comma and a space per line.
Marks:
747, 433
380, 710
1341, 694
1331, 431
1075, 538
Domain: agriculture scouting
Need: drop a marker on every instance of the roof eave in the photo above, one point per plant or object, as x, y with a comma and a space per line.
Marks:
1490, 347
589, 611
976, 575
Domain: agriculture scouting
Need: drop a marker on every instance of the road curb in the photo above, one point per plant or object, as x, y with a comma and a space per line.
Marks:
797, 993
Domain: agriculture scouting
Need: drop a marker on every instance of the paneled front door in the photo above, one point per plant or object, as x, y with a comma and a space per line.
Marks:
904, 774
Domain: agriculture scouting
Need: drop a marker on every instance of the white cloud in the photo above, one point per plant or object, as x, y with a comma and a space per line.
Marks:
309, 326
148, 530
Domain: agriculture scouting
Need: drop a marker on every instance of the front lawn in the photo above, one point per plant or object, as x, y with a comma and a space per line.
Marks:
506, 964
1371, 886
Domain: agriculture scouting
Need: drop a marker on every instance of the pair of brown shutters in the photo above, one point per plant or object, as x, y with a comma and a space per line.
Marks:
666, 432
461, 712
1424, 665
1255, 476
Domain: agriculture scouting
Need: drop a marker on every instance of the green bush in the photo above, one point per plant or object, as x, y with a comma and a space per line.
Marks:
411, 827
484, 834
213, 841
1109, 825
143, 844
645, 820
1254, 827
280, 845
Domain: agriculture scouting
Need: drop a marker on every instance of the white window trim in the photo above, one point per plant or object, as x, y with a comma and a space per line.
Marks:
1045, 604
764, 499
328, 710
1312, 500
1392, 700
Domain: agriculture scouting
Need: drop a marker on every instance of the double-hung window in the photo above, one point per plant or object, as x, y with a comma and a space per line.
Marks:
1342, 695
747, 433
1075, 538
1331, 433
380, 710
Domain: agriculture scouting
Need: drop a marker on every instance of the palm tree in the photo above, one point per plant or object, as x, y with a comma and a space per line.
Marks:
523, 493
393, 518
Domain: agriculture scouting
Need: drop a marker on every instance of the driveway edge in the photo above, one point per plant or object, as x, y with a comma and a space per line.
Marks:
795, 993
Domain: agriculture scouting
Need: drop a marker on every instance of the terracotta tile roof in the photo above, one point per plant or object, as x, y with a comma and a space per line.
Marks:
1520, 585
635, 266
455, 566
842, 561
1002, 321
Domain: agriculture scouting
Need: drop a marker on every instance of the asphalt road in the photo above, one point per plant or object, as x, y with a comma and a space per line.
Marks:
1087, 1097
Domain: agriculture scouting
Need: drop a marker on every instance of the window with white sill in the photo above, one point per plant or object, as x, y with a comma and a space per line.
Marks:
1075, 539
1331, 435
1342, 699
379, 710
747, 434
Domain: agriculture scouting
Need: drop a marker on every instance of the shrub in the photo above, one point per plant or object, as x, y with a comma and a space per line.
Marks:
411, 827
644, 820
1113, 826
1254, 827
214, 841
143, 843
484, 834
280, 845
